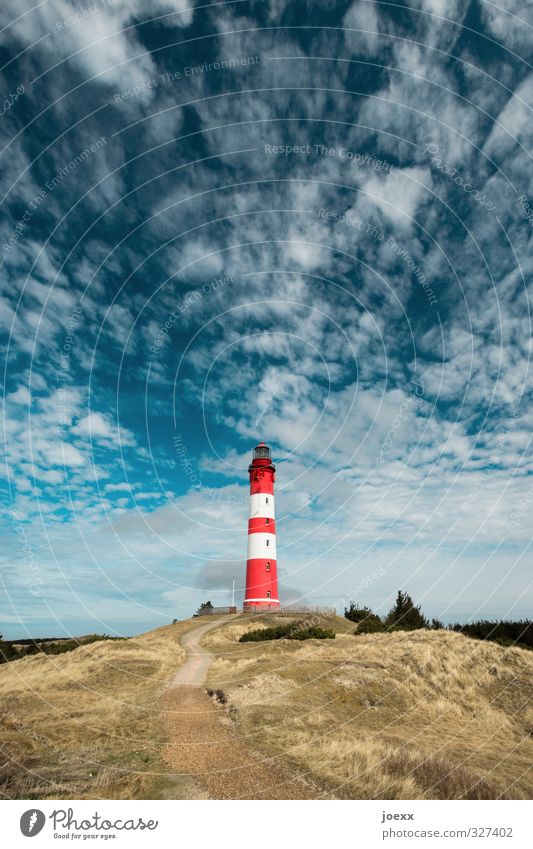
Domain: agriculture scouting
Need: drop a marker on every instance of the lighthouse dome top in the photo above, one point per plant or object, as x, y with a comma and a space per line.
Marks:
262, 452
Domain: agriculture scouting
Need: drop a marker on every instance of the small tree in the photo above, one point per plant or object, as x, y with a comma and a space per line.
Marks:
359, 614
205, 606
405, 615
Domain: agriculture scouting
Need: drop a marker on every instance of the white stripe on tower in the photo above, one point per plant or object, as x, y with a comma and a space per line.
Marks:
261, 505
261, 546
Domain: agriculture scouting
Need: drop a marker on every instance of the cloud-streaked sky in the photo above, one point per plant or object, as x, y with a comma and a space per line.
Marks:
303, 223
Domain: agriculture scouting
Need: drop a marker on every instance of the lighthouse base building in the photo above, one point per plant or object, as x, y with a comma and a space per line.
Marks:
261, 565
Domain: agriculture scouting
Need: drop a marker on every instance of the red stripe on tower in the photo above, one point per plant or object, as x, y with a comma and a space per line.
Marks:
261, 565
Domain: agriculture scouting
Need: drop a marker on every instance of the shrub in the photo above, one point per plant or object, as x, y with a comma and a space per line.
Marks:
218, 695
313, 633
358, 614
371, 626
292, 631
277, 632
405, 615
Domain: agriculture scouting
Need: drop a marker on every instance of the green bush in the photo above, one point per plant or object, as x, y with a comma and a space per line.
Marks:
371, 626
358, 614
292, 631
313, 633
277, 632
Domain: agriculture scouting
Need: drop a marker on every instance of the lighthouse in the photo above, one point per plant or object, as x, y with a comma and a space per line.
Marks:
261, 566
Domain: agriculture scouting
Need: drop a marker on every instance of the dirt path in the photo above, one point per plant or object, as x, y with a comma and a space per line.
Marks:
204, 745
194, 670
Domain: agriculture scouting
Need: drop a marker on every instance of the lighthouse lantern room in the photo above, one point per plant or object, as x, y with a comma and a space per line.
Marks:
261, 565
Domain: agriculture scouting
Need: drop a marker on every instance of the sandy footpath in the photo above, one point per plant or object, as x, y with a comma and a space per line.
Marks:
203, 744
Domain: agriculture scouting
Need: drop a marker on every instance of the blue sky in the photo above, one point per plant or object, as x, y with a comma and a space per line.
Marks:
303, 223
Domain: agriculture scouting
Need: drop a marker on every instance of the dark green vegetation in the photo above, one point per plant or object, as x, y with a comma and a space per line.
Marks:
374, 625
292, 631
205, 605
218, 695
359, 614
16, 649
518, 633
405, 616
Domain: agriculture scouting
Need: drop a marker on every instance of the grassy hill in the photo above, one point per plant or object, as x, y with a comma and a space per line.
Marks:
427, 714
402, 715
85, 724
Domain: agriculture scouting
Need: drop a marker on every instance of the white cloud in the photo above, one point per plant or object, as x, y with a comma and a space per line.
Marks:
321, 365
365, 18
20, 396
95, 425
118, 487
101, 40
400, 193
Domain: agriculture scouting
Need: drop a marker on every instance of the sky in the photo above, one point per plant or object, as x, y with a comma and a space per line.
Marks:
303, 223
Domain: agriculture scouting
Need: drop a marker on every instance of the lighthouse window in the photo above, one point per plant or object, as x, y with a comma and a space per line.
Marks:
266, 500
268, 593
268, 566
268, 542
268, 521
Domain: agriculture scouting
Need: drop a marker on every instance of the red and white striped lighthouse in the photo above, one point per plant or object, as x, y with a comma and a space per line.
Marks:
261, 566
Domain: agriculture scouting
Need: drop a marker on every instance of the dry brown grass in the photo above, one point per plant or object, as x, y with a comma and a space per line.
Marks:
86, 724
381, 716
392, 716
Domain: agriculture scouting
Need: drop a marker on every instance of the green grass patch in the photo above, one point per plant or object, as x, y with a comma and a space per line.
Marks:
292, 631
